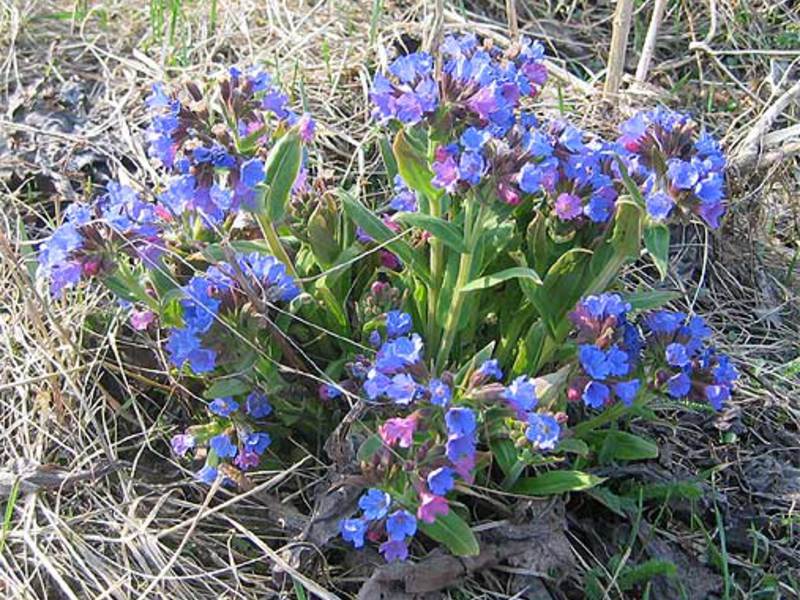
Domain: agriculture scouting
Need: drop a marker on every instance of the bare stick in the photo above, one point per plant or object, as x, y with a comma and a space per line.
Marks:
751, 144
513, 23
619, 41
650, 40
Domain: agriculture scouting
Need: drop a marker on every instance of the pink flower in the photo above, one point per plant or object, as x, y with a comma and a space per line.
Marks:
307, 127
399, 430
141, 319
464, 466
431, 507
246, 460
390, 261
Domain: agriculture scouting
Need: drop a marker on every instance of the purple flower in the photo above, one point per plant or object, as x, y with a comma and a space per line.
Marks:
141, 319
307, 127
440, 481
568, 207
246, 459
182, 443
394, 550
595, 394
353, 531
431, 506
401, 524
399, 430
223, 407
375, 504
445, 173
222, 446
257, 405
460, 421
376, 384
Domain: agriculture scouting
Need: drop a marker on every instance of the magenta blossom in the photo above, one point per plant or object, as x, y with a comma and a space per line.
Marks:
141, 319
431, 506
399, 430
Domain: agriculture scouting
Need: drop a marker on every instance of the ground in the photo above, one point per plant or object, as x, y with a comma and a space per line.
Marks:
104, 511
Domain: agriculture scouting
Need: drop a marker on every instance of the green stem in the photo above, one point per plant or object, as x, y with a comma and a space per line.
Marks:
609, 415
437, 274
274, 243
464, 272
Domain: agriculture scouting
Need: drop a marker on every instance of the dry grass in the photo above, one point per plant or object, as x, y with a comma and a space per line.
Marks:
81, 414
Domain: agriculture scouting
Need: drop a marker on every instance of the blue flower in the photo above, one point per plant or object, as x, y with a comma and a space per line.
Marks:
257, 442
394, 550
399, 353
682, 174
440, 392
659, 205
376, 384
474, 139
593, 360
460, 446
471, 166
617, 362
207, 474
441, 480
664, 322
353, 531
460, 421
222, 446
257, 405
223, 407
677, 355
596, 394
627, 390
491, 368
679, 385
543, 430
397, 323
401, 524
521, 394
375, 504
717, 395
402, 389
251, 173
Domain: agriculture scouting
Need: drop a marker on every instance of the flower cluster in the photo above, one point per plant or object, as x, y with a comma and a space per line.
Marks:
218, 161
230, 437
674, 356
438, 434
676, 166
91, 239
685, 365
608, 352
376, 522
252, 275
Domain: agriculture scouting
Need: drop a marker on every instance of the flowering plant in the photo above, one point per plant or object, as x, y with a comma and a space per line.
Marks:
468, 316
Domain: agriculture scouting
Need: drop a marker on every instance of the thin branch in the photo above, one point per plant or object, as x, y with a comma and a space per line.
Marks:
619, 42
650, 40
513, 23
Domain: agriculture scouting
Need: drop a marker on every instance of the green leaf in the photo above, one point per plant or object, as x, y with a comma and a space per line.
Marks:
620, 505
283, 165
413, 166
650, 299
230, 386
452, 531
217, 252
388, 158
482, 356
557, 482
621, 445
492, 280
381, 233
656, 240
573, 445
563, 286
630, 185
320, 231
505, 453
441, 229
171, 313
368, 448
